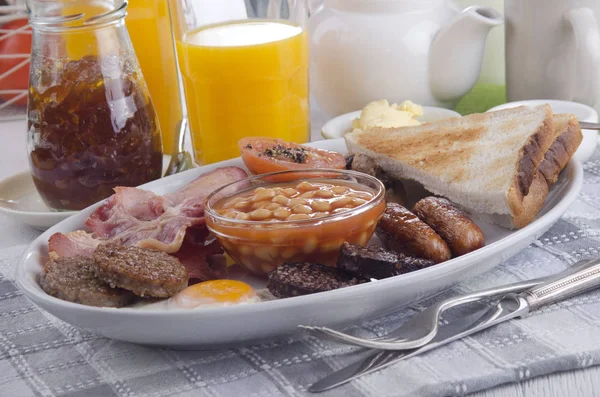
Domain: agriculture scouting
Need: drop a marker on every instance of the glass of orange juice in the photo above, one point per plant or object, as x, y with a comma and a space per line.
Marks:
244, 66
149, 26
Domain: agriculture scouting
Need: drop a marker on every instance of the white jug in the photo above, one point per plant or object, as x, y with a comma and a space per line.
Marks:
553, 50
492, 68
428, 51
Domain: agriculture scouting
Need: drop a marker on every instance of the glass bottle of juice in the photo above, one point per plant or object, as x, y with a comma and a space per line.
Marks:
149, 27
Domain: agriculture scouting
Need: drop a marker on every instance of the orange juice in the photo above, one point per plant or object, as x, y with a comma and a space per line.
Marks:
149, 27
84, 42
245, 78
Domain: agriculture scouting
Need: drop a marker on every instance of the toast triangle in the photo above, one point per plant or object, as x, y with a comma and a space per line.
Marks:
486, 163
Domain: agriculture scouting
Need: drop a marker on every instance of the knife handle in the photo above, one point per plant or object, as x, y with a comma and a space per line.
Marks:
565, 287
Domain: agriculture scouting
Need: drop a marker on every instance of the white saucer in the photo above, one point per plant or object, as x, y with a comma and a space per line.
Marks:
338, 126
583, 113
20, 200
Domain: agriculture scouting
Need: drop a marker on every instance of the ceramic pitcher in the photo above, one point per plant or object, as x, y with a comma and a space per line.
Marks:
553, 50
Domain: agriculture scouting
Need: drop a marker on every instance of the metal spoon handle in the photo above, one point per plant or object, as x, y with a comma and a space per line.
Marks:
180, 137
179, 157
564, 287
586, 125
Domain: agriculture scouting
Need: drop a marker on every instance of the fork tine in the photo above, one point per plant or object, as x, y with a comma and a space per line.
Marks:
307, 327
316, 331
320, 333
338, 336
342, 337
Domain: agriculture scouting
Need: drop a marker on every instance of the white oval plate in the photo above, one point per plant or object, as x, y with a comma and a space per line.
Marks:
20, 200
226, 326
338, 126
583, 113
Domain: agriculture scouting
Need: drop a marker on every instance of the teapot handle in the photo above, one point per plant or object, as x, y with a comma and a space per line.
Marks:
314, 6
587, 44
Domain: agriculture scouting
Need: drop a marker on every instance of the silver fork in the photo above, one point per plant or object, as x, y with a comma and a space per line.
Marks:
421, 328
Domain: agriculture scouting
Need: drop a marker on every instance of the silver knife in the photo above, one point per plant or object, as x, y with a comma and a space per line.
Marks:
511, 306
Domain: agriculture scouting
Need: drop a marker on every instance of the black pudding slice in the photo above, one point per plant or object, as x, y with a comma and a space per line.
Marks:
294, 279
377, 262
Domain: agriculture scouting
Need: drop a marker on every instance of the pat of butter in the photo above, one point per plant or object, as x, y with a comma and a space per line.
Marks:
382, 114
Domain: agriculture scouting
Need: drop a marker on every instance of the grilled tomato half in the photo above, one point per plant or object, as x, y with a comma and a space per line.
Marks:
265, 155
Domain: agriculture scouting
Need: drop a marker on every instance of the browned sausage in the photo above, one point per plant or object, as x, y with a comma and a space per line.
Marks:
402, 231
454, 225
394, 189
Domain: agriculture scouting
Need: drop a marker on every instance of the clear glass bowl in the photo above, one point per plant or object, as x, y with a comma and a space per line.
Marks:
261, 246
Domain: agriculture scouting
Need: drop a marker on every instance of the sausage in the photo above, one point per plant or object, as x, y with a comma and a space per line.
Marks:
365, 164
395, 191
402, 231
458, 230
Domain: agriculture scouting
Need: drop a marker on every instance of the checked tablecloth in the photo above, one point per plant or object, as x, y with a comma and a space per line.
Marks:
43, 356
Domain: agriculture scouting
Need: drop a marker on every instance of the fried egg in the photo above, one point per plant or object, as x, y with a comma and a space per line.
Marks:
206, 294
213, 293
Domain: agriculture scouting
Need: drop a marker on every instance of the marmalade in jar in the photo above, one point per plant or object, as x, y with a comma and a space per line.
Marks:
92, 127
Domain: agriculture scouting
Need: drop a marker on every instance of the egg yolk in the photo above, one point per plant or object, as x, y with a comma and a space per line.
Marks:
214, 292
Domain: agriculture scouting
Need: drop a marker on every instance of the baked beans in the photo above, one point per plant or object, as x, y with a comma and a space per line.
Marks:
286, 203
261, 247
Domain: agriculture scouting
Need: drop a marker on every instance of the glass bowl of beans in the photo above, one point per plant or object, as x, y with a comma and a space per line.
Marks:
304, 217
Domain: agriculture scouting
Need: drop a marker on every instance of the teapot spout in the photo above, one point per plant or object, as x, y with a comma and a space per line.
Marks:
457, 52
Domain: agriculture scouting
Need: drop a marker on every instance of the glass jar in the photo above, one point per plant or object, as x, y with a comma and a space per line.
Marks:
91, 123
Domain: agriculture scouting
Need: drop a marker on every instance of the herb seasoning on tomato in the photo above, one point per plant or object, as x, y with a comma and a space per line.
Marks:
264, 155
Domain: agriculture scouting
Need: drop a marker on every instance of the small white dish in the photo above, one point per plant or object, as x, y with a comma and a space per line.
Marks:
213, 327
583, 113
20, 200
338, 126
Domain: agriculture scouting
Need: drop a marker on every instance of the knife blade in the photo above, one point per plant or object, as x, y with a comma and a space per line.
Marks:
511, 306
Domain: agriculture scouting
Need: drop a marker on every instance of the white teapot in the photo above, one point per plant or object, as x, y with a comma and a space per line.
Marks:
427, 51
